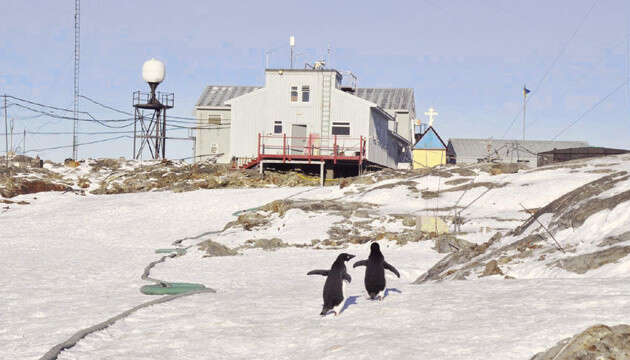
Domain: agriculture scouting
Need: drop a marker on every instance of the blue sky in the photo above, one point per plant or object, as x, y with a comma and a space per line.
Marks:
467, 58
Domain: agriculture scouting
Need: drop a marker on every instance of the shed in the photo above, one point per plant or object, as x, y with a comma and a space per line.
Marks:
429, 150
469, 151
560, 155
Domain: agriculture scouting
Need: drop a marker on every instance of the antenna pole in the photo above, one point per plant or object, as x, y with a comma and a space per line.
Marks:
77, 38
292, 45
524, 109
6, 133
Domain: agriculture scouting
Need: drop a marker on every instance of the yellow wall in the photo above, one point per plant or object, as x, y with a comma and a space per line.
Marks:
428, 158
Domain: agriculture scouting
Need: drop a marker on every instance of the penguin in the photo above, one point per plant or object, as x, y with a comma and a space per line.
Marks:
334, 285
375, 272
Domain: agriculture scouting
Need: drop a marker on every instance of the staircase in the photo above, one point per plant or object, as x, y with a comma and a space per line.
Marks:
250, 164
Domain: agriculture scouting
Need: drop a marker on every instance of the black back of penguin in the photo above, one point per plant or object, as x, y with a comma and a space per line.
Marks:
375, 271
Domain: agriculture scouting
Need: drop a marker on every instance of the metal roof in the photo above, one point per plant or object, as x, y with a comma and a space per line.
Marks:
386, 98
390, 98
469, 150
216, 95
588, 150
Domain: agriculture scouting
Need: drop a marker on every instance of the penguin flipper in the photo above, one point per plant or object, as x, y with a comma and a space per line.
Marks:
318, 272
347, 277
360, 263
391, 268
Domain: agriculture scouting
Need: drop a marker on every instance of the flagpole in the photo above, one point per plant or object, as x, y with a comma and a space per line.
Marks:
524, 109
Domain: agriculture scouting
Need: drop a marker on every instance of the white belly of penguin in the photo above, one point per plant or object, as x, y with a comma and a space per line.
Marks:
337, 308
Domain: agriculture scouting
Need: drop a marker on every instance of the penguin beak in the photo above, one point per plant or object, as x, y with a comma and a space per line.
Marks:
350, 256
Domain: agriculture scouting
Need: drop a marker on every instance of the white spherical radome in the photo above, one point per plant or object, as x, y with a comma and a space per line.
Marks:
153, 71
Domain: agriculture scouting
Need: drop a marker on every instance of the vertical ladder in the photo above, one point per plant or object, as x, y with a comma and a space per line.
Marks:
326, 93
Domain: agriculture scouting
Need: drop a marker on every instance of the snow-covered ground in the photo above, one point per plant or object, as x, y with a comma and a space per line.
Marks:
69, 262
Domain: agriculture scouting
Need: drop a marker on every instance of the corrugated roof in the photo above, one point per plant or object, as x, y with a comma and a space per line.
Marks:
469, 150
215, 95
390, 98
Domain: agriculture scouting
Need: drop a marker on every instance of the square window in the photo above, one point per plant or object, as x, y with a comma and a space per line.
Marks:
294, 93
214, 119
214, 148
306, 93
277, 127
341, 128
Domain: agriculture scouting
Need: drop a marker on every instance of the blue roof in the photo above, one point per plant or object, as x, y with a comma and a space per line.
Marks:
430, 140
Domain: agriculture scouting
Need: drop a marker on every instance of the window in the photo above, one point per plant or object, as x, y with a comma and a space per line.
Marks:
306, 93
294, 93
214, 148
277, 127
214, 119
341, 128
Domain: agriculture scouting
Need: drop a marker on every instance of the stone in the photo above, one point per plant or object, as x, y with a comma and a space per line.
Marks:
596, 342
492, 268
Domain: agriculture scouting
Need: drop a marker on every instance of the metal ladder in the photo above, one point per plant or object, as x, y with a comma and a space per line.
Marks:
326, 93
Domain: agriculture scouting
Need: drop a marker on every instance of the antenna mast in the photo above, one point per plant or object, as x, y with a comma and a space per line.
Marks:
77, 38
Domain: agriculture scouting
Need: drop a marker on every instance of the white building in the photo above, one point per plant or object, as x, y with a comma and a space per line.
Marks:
306, 115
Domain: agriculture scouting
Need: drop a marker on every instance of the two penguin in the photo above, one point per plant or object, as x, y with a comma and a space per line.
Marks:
337, 275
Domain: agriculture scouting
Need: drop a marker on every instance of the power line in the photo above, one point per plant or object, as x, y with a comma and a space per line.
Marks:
106, 106
624, 83
86, 143
553, 63
130, 114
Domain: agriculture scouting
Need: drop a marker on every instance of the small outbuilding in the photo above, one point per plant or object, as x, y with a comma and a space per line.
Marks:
471, 151
560, 155
429, 150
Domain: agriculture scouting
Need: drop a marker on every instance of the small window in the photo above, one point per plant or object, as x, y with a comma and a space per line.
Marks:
294, 93
306, 93
214, 148
214, 119
340, 128
277, 127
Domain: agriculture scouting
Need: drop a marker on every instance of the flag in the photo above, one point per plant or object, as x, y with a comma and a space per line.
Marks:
525, 91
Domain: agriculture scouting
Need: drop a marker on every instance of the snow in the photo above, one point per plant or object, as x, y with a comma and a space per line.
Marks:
72, 261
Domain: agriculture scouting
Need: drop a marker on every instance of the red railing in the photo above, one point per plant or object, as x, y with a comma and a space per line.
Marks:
312, 147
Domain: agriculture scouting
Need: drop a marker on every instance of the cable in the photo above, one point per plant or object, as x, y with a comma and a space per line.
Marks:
102, 122
564, 48
106, 106
623, 83
130, 114
86, 143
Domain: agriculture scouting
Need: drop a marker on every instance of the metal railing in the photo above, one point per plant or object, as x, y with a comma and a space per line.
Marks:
311, 147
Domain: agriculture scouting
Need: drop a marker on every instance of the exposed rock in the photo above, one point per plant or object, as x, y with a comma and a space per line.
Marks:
248, 221
267, 244
437, 271
278, 206
492, 268
457, 181
582, 263
595, 343
213, 248
573, 208
612, 240
448, 243
19, 186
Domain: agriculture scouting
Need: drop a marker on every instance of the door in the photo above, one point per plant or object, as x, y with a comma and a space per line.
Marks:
298, 139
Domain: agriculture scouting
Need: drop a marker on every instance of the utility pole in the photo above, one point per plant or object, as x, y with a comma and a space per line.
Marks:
292, 45
24, 143
6, 133
525, 92
77, 38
